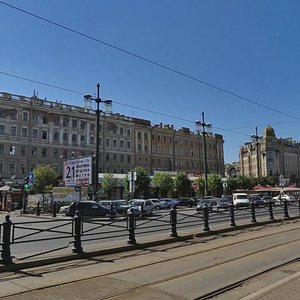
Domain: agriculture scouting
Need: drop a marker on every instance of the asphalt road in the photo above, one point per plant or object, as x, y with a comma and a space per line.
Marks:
46, 234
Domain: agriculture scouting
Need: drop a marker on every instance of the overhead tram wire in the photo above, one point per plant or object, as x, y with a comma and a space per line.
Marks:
120, 103
150, 61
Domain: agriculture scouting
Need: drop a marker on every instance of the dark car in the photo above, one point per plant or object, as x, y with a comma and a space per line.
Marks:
223, 203
185, 201
88, 209
206, 203
257, 200
116, 207
267, 199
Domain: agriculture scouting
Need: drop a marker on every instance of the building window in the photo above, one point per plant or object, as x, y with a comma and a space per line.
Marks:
115, 143
34, 151
74, 138
12, 150
128, 144
65, 137
158, 138
128, 132
25, 116
82, 125
82, 138
139, 147
139, 135
13, 130
34, 133
65, 122
121, 130
122, 158
35, 118
44, 135
92, 127
92, 140
107, 142
65, 153
1, 168
45, 120
44, 152
55, 153
128, 158
1, 149
11, 168
74, 123
121, 144
146, 148
23, 151
56, 120
114, 157
107, 158
14, 115
2, 129
56, 136
146, 136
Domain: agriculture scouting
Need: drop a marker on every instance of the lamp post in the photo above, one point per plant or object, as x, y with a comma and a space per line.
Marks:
204, 133
98, 100
256, 138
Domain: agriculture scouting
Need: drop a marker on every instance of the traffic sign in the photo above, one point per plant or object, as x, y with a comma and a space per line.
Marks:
78, 172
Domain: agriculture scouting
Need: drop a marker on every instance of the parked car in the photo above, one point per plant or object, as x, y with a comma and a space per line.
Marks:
141, 207
88, 208
278, 200
115, 206
185, 201
267, 198
169, 202
257, 200
64, 209
206, 203
223, 203
240, 199
159, 204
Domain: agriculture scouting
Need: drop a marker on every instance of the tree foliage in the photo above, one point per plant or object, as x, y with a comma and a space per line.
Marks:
162, 183
142, 184
109, 184
200, 183
182, 184
44, 176
214, 184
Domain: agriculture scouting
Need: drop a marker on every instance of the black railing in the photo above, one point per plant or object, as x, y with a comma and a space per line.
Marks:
80, 230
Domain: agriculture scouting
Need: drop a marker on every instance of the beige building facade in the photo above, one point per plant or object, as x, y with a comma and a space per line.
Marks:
36, 132
276, 156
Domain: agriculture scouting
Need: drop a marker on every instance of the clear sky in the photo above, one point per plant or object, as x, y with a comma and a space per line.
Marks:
248, 48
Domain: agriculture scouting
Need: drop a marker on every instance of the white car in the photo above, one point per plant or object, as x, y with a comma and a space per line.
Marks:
280, 198
64, 209
142, 207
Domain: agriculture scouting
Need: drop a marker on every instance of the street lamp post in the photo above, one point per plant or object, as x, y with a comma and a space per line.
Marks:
256, 138
204, 133
98, 100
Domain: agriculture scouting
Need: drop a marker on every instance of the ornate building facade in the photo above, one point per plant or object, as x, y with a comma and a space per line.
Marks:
276, 156
35, 132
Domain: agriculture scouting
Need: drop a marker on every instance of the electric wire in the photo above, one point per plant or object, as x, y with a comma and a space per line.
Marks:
150, 61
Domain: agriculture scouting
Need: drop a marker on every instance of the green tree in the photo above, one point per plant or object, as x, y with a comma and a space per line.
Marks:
182, 184
142, 184
109, 184
44, 175
232, 184
200, 183
214, 184
162, 183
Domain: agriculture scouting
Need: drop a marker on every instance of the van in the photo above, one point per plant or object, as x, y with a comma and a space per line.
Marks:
240, 199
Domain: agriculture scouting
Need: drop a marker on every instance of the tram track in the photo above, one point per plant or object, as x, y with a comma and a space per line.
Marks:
38, 271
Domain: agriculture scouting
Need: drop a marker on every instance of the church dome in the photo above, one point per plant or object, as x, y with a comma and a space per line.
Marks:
269, 132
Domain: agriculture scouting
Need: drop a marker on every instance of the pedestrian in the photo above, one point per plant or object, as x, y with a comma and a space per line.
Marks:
9, 204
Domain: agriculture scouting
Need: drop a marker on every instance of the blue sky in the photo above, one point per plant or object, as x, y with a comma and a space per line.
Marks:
248, 48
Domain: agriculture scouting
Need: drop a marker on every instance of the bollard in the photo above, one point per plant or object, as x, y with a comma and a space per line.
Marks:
253, 218
173, 221
232, 219
206, 218
142, 209
38, 208
6, 254
285, 209
54, 209
77, 232
270, 203
131, 227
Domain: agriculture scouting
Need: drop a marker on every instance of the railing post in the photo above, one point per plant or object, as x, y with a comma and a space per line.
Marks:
206, 218
38, 208
270, 203
173, 221
54, 209
232, 219
142, 209
77, 226
6, 238
253, 218
285, 209
131, 227
299, 205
